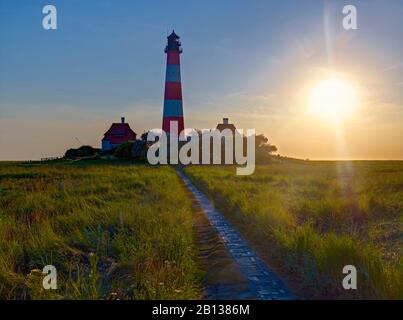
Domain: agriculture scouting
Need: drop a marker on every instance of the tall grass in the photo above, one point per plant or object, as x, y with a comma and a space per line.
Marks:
312, 219
113, 232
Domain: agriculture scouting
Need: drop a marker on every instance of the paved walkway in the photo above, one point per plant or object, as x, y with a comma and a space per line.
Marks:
263, 282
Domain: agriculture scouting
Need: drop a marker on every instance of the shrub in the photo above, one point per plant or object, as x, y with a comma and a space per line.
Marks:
83, 151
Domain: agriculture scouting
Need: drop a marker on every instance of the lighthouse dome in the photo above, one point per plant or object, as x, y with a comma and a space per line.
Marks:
173, 36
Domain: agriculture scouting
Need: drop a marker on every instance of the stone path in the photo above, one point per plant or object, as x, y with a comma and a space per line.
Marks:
263, 282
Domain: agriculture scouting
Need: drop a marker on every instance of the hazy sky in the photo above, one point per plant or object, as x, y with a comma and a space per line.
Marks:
252, 61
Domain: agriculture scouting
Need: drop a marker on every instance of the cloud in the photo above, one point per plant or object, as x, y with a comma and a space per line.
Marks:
394, 66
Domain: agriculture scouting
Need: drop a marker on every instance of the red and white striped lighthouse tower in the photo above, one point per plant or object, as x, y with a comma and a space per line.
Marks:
173, 106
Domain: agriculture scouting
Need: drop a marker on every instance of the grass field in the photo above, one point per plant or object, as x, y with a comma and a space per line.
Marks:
118, 231
112, 232
311, 219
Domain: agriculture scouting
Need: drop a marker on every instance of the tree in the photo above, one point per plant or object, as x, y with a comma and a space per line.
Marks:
124, 151
139, 149
264, 149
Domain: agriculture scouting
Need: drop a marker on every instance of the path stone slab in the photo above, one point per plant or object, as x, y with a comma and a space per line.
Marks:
264, 284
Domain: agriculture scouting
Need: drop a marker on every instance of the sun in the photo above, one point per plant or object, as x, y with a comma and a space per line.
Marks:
333, 99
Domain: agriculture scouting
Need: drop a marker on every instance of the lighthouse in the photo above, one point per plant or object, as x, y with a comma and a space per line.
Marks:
173, 106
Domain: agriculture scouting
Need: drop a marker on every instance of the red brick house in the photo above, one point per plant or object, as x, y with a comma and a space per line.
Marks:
118, 134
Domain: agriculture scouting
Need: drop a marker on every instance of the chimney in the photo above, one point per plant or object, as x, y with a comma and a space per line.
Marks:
123, 119
225, 120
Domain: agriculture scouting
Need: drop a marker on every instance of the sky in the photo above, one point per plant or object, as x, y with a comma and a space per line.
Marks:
255, 62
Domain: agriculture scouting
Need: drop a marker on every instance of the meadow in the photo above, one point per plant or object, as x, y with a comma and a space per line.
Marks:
309, 219
124, 231
112, 232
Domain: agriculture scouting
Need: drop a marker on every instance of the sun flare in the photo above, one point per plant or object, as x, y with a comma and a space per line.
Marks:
333, 99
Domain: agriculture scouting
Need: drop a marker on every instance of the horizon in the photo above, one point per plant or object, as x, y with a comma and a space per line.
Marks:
256, 63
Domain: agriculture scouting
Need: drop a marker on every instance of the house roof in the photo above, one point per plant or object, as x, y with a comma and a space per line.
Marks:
119, 133
223, 126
